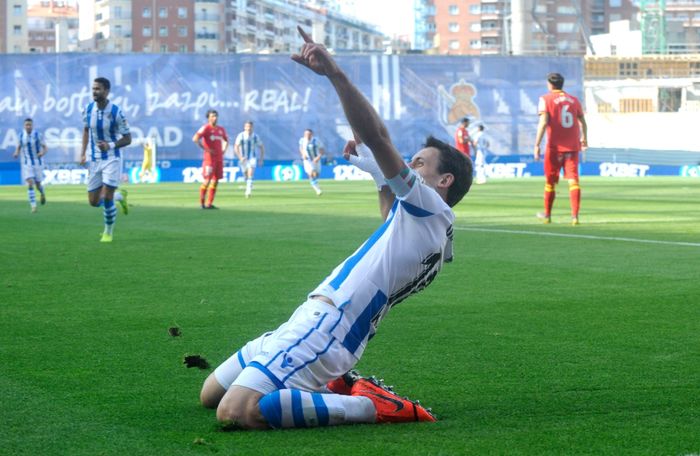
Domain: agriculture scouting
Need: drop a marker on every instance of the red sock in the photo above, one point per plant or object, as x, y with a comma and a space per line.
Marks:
549, 195
575, 197
202, 193
212, 192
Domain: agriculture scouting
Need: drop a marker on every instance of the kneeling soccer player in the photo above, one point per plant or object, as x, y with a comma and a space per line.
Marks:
296, 375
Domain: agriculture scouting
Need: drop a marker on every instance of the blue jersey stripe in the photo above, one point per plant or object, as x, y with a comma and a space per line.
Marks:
361, 327
415, 210
113, 128
297, 411
321, 409
269, 374
241, 360
351, 262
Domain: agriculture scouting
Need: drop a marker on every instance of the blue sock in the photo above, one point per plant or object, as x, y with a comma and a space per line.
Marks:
296, 409
32, 196
110, 215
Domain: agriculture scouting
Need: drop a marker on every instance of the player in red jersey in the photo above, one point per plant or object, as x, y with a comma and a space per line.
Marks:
213, 140
462, 139
567, 135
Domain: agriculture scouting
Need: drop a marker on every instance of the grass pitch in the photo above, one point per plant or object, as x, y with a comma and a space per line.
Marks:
536, 340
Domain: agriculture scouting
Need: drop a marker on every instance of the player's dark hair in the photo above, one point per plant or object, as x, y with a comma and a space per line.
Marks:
29, 119
104, 82
248, 122
556, 79
212, 111
456, 163
309, 130
465, 120
481, 127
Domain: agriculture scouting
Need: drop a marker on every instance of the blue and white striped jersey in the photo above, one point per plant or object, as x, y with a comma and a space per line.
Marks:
312, 147
249, 144
401, 258
30, 146
108, 124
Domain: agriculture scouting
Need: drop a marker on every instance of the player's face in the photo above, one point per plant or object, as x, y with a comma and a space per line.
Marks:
248, 127
28, 127
308, 134
99, 93
425, 162
213, 119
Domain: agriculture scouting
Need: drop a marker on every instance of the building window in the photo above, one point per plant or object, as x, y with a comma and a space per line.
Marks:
146, 12
615, 3
183, 48
182, 12
565, 27
568, 10
117, 12
162, 13
147, 32
475, 26
182, 31
146, 48
118, 31
475, 44
454, 44
17, 30
163, 48
163, 32
454, 27
475, 9
17, 10
453, 10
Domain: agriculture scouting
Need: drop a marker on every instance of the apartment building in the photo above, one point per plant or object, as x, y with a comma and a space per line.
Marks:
52, 25
13, 26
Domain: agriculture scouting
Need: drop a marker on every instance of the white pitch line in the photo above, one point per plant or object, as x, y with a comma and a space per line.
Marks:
579, 236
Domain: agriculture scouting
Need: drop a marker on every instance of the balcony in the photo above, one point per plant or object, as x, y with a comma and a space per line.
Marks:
207, 36
206, 17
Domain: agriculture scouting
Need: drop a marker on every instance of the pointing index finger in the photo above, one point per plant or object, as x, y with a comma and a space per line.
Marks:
303, 34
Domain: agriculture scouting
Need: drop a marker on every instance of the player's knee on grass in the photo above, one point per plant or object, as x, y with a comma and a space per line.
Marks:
211, 393
239, 406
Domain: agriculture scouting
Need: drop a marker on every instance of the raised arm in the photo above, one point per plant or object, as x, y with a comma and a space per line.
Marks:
362, 117
541, 126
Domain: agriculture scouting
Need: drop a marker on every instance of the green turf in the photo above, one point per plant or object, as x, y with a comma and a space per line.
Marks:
526, 344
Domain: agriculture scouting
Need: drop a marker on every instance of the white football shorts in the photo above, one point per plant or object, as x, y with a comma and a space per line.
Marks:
104, 172
310, 166
301, 354
30, 171
249, 163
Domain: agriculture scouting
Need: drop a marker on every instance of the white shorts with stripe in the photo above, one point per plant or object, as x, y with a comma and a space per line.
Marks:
35, 172
310, 166
104, 172
301, 354
248, 163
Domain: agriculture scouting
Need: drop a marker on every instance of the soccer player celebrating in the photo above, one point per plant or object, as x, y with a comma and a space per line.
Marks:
462, 139
32, 146
567, 134
294, 376
245, 147
106, 131
311, 151
213, 140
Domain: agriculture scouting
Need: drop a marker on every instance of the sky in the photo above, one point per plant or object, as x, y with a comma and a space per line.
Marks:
393, 17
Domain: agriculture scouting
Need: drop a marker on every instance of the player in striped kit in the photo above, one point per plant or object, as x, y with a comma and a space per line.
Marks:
294, 376
245, 147
105, 132
32, 146
311, 151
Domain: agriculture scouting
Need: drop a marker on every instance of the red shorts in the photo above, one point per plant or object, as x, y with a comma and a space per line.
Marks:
213, 169
555, 161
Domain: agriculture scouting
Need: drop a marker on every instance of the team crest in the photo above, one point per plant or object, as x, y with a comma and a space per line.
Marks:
457, 103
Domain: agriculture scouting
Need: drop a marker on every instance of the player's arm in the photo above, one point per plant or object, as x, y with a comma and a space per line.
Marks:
83, 150
360, 156
44, 149
262, 154
362, 117
584, 135
17, 149
541, 126
321, 153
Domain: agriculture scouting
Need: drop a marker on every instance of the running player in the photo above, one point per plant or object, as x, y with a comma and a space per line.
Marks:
567, 134
245, 147
213, 140
33, 148
105, 132
481, 146
280, 379
311, 151
462, 139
